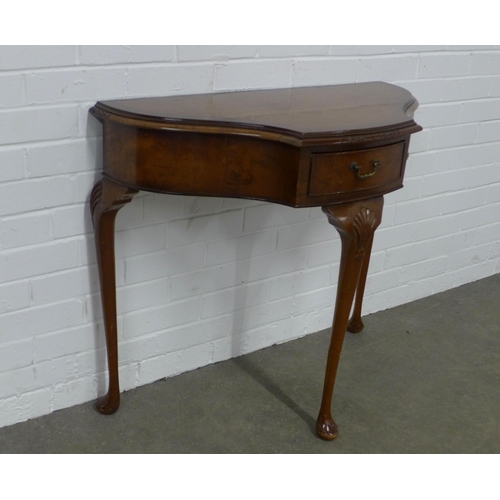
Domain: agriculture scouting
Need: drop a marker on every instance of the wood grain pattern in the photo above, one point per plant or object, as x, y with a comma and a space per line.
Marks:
107, 198
296, 147
356, 223
331, 172
304, 112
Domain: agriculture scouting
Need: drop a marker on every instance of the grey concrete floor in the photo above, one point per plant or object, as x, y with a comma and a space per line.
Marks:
421, 378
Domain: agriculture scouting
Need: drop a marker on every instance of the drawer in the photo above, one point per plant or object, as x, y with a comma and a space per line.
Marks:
350, 171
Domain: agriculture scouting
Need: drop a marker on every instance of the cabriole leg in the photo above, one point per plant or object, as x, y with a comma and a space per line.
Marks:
106, 199
356, 223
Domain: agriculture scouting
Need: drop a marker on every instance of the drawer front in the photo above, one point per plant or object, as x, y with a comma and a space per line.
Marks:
351, 171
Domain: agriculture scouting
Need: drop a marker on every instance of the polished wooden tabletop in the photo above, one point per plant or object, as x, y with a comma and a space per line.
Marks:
303, 112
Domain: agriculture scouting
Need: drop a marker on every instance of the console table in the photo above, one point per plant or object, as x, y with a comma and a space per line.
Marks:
340, 147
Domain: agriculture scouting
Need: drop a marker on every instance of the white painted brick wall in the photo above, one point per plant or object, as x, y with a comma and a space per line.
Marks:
204, 279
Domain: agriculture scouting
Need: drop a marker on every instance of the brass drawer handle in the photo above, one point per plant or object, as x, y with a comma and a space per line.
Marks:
355, 168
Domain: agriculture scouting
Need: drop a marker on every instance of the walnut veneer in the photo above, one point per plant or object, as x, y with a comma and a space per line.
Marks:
339, 147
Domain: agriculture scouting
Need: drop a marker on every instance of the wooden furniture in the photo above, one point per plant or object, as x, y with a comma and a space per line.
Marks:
339, 147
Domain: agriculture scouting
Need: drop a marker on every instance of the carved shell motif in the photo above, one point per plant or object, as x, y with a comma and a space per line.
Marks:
364, 224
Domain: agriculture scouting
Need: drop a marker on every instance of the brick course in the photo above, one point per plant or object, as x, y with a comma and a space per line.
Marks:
200, 279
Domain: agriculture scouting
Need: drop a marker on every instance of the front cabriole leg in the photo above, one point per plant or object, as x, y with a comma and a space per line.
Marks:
106, 199
356, 223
